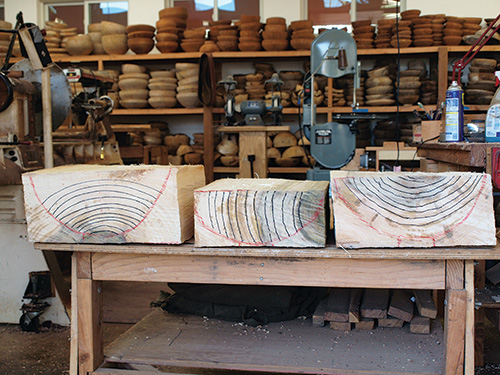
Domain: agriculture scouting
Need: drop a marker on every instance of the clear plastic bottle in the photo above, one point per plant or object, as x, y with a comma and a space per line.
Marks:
492, 125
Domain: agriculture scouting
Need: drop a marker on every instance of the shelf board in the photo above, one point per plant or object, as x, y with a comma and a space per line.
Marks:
288, 170
293, 346
226, 170
157, 111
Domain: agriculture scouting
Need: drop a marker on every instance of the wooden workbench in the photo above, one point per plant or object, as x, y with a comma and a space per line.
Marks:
156, 339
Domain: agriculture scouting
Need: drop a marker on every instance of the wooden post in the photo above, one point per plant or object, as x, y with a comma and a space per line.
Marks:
47, 118
479, 283
469, 318
73, 354
90, 349
208, 143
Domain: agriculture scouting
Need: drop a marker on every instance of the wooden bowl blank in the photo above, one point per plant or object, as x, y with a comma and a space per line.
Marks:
141, 34
188, 99
187, 73
115, 44
167, 37
188, 81
453, 25
275, 21
302, 24
162, 93
162, 102
403, 43
275, 35
452, 40
94, 28
191, 47
162, 86
79, 45
110, 28
134, 103
255, 26
484, 63
171, 80
357, 24
422, 31
135, 28
227, 46
249, 18
209, 46
180, 66
249, 40
133, 68
179, 12
301, 44
141, 45
275, 44
166, 47
144, 76
227, 38
198, 33
133, 94
408, 99
132, 84
423, 42
250, 46
188, 88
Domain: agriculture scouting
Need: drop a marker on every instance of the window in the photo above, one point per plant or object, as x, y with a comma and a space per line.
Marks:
79, 14
203, 11
337, 13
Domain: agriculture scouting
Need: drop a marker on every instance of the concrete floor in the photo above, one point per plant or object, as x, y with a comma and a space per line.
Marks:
47, 352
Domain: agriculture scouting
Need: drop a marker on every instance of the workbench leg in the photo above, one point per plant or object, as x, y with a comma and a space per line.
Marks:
469, 318
454, 318
90, 349
479, 283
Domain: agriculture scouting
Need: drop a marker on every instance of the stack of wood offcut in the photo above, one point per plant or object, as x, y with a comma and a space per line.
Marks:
364, 33
179, 150
401, 33
452, 32
438, 21
266, 69
193, 39
291, 78
481, 83
347, 83
471, 25
302, 34
287, 150
275, 34
298, 95
384, 33
249, 41
198, 146
227, 151
216, 26
170, 28
428, 92
338, 97
379, 87
346, 309
162, 89
385, 131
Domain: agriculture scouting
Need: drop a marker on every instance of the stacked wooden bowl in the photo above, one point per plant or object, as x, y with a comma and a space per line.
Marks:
409, 86
481, 81
422, 32
193, 39
406, 128
275, 35
133, 84
452, 31
438, 21
170, 28
338, 97
471, 25
364, 33
298, 94
291, 78
79, 45
55, 32
216, 26
187, 84
302, 34
65, 34
209, 46
162, 89
95, 34
428, 92
227, 39
401, 33
114, 38
254, 86
385, 131
265, 68
347, 83
140, 38
250, 38
379, 87
384, 33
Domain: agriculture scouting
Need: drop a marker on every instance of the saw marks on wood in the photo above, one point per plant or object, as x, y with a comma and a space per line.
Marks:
261, 212
111, 204
394, 209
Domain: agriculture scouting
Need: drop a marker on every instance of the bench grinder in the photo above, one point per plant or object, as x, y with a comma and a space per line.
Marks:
333, 54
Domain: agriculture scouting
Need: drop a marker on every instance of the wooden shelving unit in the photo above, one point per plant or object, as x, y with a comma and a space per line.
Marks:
439, 55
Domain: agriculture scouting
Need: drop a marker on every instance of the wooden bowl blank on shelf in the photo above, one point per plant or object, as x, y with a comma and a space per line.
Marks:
166, 47
133, 68
408, 99
98, 49
190, 46
133, 84
162, 102
162, 86
79, 45
94, 28
141, 34
452, 40
227, 46
110, 28
141, 27
188, 88
167, 37
423, 42
275, 35
188, 81
403, 43
275, 44
301, 44
141, 75
133, 94
209, 46
188, 99
171, 80
141, 45
187, 73
134, 103
179, 12
162, 93
250, 46
115, 44
198, 33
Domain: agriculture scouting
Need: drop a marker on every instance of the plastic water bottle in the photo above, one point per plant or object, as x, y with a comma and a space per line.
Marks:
454, 124
492, 125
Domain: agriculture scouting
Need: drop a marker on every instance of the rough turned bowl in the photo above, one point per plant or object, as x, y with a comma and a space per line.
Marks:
109, 28
141, 45
115, 44
79, 45
188, 99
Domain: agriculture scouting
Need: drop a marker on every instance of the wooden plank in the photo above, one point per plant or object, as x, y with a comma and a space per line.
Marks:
467, 154
254, 128
84, 265
111, 204
208, 140
394, 209
90, 350
455, 274
328, 252
365, 324
261, 212
337, 308
253, 144
479, 283
340, 326
374, 303
355, 305
73, 349
401, 305
226, 345
425, 304
493, 274
390, 322
420, 325
318, 317
469, 318
454, 330
343, 273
